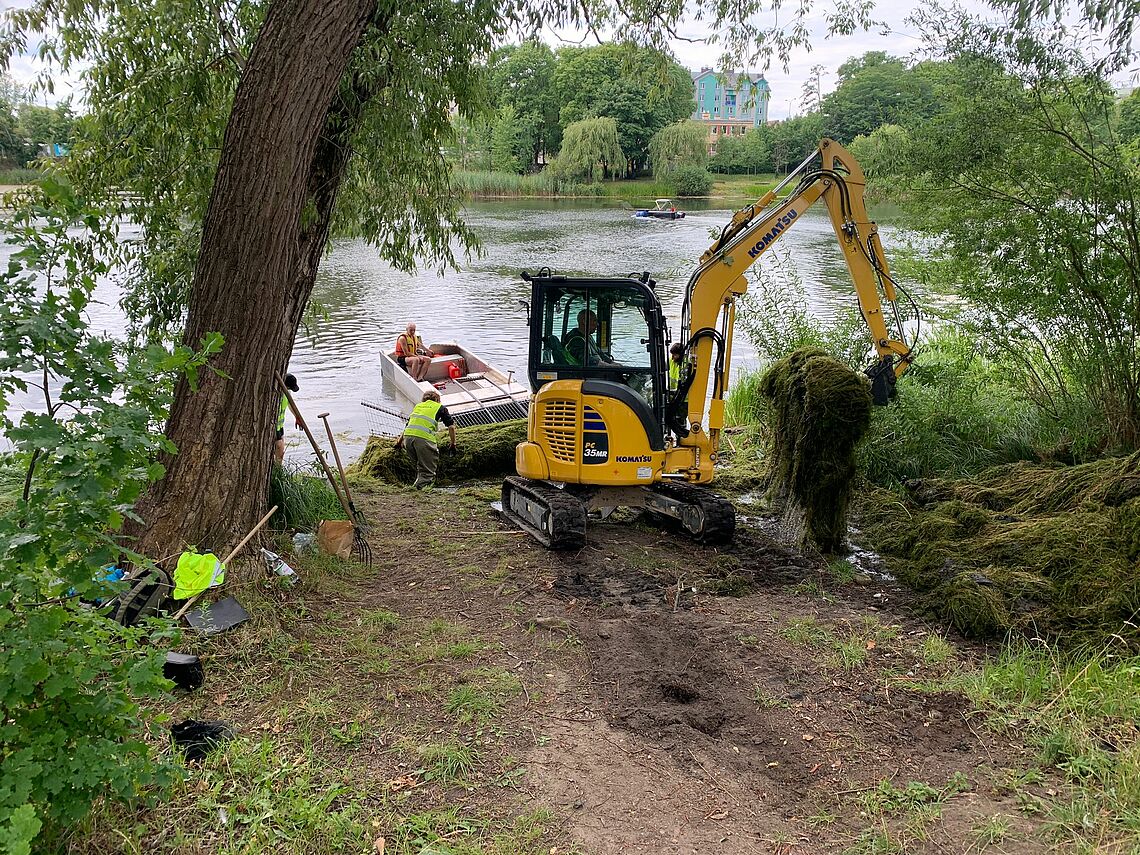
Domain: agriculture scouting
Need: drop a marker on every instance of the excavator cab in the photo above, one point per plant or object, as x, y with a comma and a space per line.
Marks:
608, 330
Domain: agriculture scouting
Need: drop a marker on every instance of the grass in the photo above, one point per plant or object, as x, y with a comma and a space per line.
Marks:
302, 497
1079, 710
935, 650
14, 176
446, 761
486, 184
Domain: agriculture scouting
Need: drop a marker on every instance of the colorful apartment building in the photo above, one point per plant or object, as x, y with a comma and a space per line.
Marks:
730, 103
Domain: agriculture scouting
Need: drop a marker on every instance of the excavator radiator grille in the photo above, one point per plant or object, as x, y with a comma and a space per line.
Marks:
559, 420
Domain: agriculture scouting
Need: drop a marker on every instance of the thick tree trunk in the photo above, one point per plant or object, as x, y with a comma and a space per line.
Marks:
265, 228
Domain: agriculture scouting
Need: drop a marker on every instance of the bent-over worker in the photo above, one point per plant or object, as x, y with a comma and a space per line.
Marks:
420, 440
279, 439
411, 354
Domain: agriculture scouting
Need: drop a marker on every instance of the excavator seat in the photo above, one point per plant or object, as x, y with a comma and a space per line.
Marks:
558, 354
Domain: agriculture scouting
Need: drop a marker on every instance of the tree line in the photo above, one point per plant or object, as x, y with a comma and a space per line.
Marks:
25, 126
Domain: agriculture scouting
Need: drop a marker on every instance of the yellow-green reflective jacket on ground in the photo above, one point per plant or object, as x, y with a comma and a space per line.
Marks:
423, 422
195, 573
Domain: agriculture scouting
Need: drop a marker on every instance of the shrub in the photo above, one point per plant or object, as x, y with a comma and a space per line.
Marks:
692, 181
71, 729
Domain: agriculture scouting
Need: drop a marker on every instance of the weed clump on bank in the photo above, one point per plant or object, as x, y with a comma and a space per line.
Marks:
1049, 550
820, 410
303, 498
483, 451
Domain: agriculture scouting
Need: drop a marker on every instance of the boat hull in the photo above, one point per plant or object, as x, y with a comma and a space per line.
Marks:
483, 394
661, 215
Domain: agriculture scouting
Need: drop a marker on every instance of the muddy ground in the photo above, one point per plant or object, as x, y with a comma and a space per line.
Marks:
686, 699
641, 695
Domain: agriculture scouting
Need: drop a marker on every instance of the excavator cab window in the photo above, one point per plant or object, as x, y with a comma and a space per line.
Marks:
604, 329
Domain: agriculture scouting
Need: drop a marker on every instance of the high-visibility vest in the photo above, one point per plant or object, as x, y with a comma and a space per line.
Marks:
410, 344
281, 413
674, 374
423, 422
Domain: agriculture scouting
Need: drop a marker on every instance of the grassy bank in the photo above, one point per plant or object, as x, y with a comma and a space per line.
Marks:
492, 185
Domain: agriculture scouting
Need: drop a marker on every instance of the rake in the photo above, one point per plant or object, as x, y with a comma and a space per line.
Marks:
360, 548
356, 516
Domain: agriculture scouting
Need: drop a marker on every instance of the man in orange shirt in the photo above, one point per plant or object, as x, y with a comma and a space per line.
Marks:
411, 354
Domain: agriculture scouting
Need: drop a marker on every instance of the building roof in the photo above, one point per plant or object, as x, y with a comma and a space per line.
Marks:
732, 79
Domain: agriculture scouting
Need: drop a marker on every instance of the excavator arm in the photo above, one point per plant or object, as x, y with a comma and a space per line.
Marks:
831, 173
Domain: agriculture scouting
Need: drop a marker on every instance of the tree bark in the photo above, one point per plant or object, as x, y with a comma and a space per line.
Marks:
281, 166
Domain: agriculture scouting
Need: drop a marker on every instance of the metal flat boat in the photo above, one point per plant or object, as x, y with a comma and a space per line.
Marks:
663, 209
474, 391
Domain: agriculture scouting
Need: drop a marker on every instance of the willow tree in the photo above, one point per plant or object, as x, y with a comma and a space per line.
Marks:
590, 150
247, 132
683, 143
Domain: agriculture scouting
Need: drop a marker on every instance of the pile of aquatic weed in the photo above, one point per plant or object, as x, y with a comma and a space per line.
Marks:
483, 451
1048, 550
820, 409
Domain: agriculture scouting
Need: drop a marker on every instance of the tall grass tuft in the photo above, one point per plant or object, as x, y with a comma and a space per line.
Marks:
1079, 709
493, 184
17, 176
302, 497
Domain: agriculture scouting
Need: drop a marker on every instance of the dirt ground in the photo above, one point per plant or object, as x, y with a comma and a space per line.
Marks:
682, 699
475, 693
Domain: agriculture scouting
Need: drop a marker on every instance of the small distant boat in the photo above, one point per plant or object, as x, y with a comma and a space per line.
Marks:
474, 391
663, 209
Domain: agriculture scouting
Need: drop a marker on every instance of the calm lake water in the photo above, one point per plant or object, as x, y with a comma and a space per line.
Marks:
366, 304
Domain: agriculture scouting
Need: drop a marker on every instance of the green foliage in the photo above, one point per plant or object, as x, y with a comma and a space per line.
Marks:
641, 89
681, 144
1128, 126
506, 140
749, 153
1031, 205
874, 90
521, 77
692, 181
958, 412
25, 126
303, 498
70, 726
493, 184
591, 150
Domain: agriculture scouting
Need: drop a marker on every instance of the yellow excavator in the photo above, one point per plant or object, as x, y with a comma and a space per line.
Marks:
605, 430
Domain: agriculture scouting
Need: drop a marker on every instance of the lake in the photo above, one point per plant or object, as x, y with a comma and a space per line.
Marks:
364, 304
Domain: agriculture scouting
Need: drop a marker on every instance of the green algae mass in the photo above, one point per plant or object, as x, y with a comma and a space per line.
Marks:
820, 410
483, 451
1044, 549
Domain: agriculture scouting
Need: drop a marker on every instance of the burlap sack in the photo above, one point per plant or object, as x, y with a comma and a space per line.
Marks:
335, 537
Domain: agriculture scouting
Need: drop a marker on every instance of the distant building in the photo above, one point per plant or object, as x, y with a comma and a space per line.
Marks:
730, 103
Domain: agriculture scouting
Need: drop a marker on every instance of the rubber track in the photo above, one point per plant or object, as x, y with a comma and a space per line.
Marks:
720, 515
568, 512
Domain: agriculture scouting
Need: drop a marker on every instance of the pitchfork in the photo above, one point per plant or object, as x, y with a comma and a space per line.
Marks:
360, 548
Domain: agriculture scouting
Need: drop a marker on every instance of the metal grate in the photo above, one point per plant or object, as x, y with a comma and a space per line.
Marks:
491, 414
559, 420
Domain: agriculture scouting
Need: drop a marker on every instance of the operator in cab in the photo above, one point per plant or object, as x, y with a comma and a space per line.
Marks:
420, 438
581, 344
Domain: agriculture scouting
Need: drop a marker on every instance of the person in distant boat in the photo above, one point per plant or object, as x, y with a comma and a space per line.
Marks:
581, 344
279, 440
411, 354
420, 437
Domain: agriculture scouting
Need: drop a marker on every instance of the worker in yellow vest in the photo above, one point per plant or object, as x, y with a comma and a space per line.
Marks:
279, 439
420, 439
676, 360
